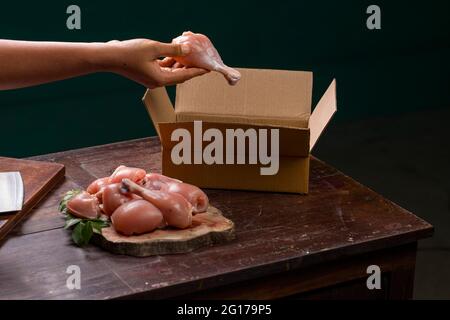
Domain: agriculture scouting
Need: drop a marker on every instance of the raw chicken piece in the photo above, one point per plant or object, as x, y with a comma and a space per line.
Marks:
160, 177
136, 217
196, 197
204, 55
123, 172
97, 185
112, 198
156, 181
176, 210
99, 194
84, 206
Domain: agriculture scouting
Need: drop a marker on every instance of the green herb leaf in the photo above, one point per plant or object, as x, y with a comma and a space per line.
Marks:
98, 225
82, 233
85, 228
71, 222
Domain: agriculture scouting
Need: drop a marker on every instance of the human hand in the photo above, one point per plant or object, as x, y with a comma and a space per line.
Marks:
138, 60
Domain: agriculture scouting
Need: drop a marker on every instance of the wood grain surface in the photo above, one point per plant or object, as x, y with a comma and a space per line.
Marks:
38, 179
276, 234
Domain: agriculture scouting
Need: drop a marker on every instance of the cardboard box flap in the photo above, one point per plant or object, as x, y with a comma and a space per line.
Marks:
269, 94
159, 107
293, 142
322, 114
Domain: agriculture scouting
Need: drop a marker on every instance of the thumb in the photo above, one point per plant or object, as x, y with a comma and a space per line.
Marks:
172, 49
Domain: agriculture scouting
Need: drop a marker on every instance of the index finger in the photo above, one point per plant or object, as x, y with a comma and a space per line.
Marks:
166, 62
182, 74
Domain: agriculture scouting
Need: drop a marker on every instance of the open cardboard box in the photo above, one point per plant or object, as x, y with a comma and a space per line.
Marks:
263, 99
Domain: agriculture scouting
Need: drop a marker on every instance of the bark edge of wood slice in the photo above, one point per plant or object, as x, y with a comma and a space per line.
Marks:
209, 228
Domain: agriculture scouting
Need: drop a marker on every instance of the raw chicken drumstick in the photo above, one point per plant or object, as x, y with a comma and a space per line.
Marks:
204, 55
196, 197
156, 181
123, 172
176, 210
97, 187
136, 217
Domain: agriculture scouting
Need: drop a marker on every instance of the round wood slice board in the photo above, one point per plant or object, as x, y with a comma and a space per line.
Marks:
207, 229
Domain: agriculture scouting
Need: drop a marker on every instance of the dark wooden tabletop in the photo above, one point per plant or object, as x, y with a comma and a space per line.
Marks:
275, 232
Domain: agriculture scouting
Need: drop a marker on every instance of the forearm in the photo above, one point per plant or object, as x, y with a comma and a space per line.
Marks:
27, 63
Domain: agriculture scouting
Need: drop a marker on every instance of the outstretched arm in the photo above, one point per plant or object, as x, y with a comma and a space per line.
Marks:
27, 63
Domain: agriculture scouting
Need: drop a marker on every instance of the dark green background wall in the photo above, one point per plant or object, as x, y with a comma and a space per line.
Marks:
402, 68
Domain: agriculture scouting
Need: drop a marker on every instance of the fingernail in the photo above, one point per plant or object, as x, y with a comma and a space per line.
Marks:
185, 49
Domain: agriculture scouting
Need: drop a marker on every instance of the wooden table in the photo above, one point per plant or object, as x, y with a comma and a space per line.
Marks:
297, 246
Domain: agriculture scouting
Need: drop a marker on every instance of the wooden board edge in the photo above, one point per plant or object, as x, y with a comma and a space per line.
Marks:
208, 239
46, 188
160, 247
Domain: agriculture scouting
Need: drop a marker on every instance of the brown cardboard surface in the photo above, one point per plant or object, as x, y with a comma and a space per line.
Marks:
263, 99
322, 114
280, 122
276, 97
159, 106
291, 177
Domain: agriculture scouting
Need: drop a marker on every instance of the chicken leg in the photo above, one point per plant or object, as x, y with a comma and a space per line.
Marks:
122, 172
176, 210
204, 55
196, 197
